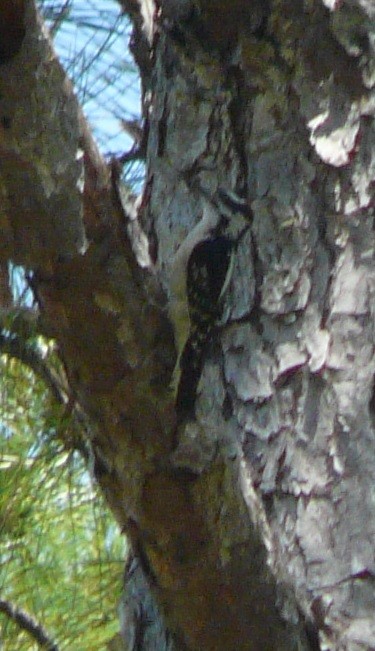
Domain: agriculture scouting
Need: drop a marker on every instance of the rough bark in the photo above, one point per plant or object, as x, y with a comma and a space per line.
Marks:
282, 104
258, 515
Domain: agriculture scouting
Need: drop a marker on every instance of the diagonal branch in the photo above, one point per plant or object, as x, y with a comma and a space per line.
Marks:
116, 344
105, 311
28, 624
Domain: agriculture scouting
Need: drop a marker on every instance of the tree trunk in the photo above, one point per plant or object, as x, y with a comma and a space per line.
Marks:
253, 520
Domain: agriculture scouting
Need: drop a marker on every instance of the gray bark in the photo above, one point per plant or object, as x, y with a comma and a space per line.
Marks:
283, 106
253, 523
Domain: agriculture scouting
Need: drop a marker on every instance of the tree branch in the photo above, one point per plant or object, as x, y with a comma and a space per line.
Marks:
207, 559
16, 347
28, 624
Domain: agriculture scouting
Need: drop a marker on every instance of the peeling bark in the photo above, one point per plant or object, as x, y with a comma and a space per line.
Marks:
282, 103
257, 516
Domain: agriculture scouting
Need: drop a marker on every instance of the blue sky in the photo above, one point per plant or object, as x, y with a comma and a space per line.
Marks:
92, 43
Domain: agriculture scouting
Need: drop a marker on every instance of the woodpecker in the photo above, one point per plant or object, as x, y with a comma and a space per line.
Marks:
200, 276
